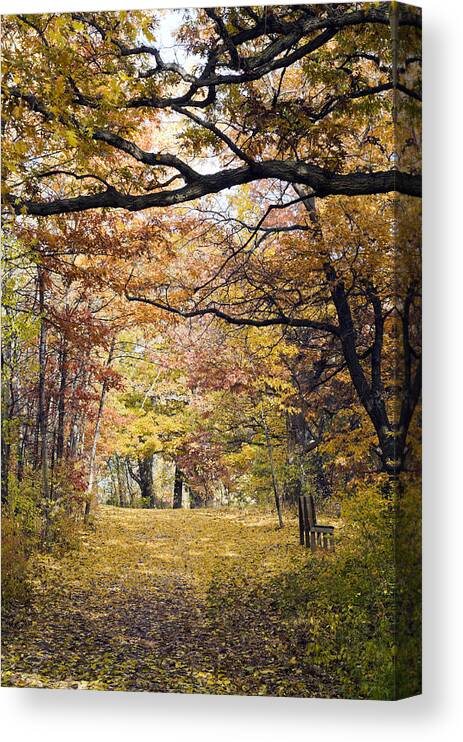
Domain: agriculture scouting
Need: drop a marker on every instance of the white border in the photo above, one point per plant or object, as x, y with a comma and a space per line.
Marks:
37, 715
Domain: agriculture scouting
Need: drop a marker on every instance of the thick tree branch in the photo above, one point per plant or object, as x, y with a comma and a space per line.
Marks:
322, 182
412, 383
284, 40
269, 58
249, 68
152, 159
378, 340
147, 158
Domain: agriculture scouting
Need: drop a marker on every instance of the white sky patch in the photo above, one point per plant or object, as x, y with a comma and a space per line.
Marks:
172, 50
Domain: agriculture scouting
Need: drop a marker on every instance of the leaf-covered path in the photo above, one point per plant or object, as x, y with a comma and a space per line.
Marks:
199, 601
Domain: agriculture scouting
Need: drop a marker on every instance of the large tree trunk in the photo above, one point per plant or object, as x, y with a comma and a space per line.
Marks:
391, 433
145, 471
178, 488
144, 478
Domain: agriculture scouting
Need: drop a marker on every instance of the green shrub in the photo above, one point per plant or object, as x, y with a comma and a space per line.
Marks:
364, 606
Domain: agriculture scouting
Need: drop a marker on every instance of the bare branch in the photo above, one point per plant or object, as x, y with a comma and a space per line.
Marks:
236, 320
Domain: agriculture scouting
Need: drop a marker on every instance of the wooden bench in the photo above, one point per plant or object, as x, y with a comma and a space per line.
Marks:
310, 532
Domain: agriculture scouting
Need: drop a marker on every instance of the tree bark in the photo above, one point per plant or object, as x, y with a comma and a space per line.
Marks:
62, 402
145, 471
272, 466
323, 183
178, 488
128, 480
6, 446
96, 434
42, 413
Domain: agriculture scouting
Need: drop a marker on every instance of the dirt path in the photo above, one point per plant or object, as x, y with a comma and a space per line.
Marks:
198, 601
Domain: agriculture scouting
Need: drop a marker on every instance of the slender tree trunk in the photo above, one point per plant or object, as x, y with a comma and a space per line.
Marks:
22, 448
294, 484
128, 481
52, 422
120, 483
96, 434
62, 402
73, 440
42, 413
6, 446
115, 494
272, 466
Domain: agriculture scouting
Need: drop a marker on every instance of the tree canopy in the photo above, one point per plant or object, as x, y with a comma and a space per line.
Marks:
288, 94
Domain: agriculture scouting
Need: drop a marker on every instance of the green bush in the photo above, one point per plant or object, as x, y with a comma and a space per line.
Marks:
364, 601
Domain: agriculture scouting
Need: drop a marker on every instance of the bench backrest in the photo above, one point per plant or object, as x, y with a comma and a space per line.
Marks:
310, 533
307, 506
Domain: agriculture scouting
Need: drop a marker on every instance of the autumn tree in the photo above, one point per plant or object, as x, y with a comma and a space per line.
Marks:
55, 371
82, 83
308, 113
